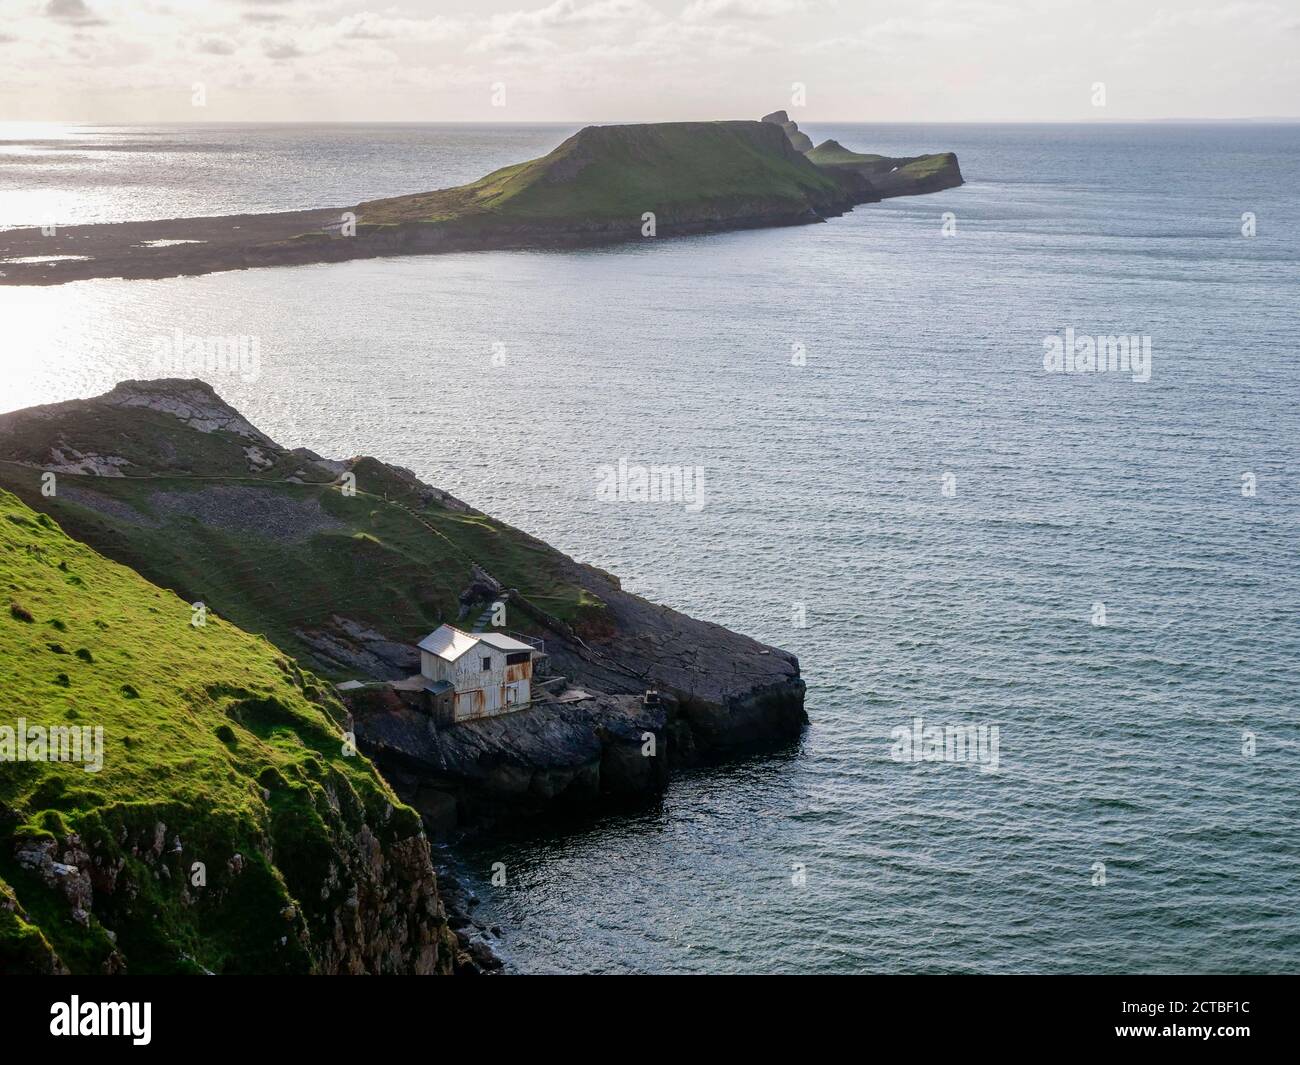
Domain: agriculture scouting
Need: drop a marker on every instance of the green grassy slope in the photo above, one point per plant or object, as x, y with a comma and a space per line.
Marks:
927, 166
679, 170
376, 563
275, 556
215, 745
833, 153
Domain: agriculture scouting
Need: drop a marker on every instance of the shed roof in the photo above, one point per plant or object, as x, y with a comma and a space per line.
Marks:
502, 642
449, 643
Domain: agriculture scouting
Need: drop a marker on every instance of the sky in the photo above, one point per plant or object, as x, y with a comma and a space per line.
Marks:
122, 61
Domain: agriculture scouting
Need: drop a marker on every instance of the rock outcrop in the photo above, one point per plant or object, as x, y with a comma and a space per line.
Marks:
376, 909
800, 141
552, 756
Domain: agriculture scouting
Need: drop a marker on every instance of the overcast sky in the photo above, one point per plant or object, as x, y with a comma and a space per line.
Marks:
608, 60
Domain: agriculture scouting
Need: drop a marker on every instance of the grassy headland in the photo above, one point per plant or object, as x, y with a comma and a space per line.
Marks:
681, 171
218, 750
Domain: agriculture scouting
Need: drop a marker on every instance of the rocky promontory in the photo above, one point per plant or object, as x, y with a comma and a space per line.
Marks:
891, 175
167, 478
870, 178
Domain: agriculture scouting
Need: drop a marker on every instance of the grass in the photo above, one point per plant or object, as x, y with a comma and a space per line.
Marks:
833, 153
927, 166
919, 168
379, 565
678, 170
209, 732
23, 947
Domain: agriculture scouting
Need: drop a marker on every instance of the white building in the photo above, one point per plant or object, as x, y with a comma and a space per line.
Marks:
484, 673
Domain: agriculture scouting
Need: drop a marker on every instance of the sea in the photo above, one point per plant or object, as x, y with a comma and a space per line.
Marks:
1097, 569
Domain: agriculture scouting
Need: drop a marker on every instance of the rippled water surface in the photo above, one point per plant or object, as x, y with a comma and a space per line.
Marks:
1120, 744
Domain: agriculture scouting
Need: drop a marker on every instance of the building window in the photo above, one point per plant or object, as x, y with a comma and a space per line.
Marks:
487, 664
514, 658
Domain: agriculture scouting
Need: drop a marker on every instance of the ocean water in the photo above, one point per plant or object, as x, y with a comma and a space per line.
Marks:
826, 528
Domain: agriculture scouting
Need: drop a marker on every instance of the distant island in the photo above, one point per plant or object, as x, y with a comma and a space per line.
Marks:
604, 184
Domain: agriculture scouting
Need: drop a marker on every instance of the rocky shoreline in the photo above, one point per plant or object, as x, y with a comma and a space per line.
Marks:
243, 242
476, 941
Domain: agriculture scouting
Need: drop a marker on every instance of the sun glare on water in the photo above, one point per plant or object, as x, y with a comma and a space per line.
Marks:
37, 131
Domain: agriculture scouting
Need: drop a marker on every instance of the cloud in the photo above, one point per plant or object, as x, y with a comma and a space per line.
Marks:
524, 32
513, 44
746, 10
216, 46
564, 13
628, 59
1249, 17
264, 17
367, 26
895, 34
73, 12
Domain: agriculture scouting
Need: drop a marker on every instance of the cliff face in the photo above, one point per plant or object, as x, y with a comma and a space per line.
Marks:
799, 140
168, 479
211, 816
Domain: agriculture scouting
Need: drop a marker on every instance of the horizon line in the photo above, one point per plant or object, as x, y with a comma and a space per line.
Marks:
1243, 120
